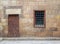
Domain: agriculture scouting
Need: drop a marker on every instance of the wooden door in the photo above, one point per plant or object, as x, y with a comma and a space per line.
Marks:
13, 25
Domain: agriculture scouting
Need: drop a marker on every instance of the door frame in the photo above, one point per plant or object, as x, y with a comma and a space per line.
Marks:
6, 15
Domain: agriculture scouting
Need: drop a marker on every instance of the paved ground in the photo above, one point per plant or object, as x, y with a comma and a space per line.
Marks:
29, 42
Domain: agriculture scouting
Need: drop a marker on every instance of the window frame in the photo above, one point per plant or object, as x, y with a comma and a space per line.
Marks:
44, 20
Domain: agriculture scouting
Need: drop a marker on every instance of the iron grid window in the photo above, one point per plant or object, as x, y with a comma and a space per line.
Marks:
39, 18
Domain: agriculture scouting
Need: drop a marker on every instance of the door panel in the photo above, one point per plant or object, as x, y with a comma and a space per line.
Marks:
13, 26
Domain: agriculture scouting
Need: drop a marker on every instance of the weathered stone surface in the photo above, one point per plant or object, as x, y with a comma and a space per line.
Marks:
56, 34
26, 24
44, 34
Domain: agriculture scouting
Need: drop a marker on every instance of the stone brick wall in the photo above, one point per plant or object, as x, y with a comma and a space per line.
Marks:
26, 19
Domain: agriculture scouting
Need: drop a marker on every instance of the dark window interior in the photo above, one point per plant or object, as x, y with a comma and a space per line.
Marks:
39, 17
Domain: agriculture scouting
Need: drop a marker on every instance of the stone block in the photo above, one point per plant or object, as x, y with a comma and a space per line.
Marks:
56, 34
44, 34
